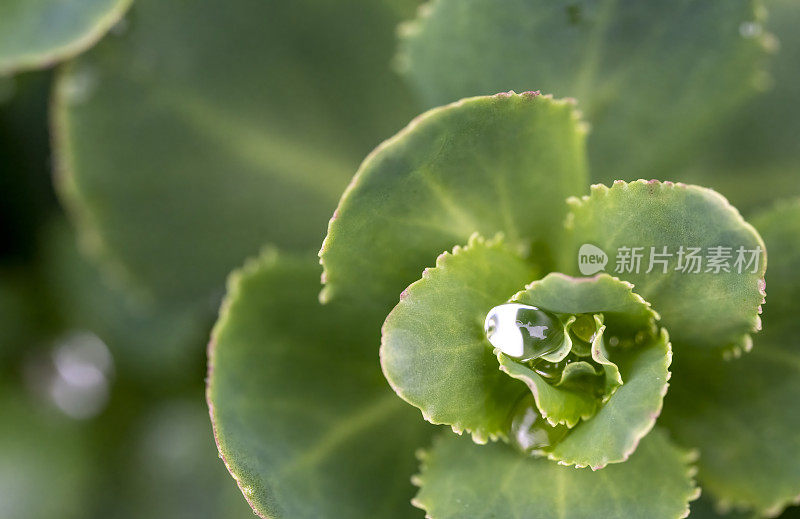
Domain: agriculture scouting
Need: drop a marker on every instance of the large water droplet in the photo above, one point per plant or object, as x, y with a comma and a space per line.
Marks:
523, 332
529, 432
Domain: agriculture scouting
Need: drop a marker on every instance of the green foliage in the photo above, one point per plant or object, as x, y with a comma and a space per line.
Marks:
745, 424
37, 33
655, 483
198, 133
651, 77
434, 352
231, 133
313, 431
473, 166
711, 308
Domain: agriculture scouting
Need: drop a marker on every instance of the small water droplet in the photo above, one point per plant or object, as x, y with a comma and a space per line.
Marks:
529, 432
750, 29
76, 375
78, 85
523, 332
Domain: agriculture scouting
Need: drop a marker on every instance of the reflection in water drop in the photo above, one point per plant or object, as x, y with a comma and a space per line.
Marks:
523, 332
529, 432
78, 85
77, 382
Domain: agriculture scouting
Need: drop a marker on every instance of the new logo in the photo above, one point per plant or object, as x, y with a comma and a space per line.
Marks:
591, 259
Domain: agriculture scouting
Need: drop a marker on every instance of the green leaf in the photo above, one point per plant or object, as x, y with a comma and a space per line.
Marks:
650, 76
302, 415
609, 433
742, 414
624, 310
461, 479
434, 351
436, 357
37, 33
706, 309
488, 164
614, 432
200, 134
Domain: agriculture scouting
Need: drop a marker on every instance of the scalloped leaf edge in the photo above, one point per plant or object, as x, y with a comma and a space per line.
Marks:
479, 435
688, 457
268, 257
329, 292
745, 343
637, 434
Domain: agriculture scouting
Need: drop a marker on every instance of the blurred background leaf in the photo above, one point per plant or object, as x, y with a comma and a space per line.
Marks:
650, 77
755, 158
205, 131
38, 33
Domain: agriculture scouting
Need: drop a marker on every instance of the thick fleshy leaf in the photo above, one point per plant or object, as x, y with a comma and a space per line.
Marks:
710, 308
200, 134
746, 423
650, 76
434, 351
623, 310
39, 33
302, 415
460, 479
487, 164
611, 432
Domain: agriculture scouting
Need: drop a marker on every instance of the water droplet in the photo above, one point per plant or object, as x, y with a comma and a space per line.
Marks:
76, 376
529, 432
750, 29
523, 332
78, 85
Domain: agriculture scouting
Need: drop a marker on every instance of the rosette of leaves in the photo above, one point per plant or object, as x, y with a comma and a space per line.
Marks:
303, 414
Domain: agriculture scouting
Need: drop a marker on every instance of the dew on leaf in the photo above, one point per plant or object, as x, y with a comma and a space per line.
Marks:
523, 332
79, 85
529, 432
